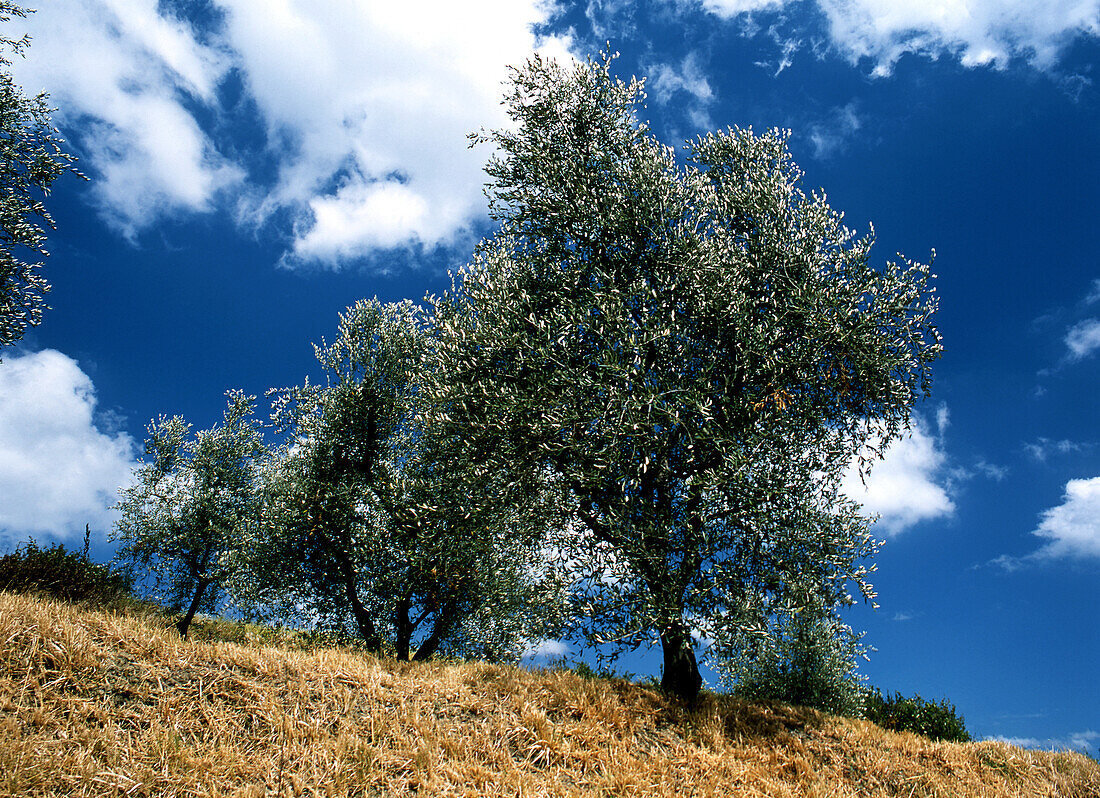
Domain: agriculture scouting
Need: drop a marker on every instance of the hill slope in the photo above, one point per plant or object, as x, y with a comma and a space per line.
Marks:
107, 704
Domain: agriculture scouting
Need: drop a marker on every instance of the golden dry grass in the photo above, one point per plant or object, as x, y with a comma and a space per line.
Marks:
103, 704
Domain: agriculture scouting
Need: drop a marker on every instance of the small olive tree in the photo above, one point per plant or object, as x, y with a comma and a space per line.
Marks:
696, 350
809, 657
193, 500
364, 528
31, 159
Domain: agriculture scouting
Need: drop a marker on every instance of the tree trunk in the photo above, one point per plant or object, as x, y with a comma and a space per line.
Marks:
403, 628
363, 622
681, 671
185, 622
431, 643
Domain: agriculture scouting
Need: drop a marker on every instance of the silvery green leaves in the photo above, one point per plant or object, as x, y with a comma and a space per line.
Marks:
31, 159
375, 524
695, 349
193, 498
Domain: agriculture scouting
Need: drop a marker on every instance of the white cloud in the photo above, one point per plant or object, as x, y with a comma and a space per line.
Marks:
978, 32
546, 649
1083, 338
366, 106
122, 74
58, 470
832, 136
1045, 447
1073, 527
903, 489
1084, 742
732, 8
374, 102
1094, 293
667, 83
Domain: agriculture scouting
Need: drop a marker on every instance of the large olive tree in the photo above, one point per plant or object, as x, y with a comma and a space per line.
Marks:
695, 348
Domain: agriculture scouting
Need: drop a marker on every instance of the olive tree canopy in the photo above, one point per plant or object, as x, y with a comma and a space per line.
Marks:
696, 348
31, 158
193, 499
366, 528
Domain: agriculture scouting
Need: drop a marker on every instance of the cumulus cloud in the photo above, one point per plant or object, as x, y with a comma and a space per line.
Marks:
372, 103
366, 108
978, 32
546, 649
58, 469
905, 488
1072, 529
1082, 339
124, 77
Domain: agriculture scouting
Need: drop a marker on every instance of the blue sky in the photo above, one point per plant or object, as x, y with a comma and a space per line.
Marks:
255, 167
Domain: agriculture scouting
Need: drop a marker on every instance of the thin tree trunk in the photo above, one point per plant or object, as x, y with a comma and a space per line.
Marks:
681, 672
185, 622
431, 643
363, 622
403, 628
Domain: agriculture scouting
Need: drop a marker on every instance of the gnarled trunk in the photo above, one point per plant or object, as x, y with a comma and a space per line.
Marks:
681, 671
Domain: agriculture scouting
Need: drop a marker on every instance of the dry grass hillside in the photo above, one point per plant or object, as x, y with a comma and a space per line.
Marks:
108, 704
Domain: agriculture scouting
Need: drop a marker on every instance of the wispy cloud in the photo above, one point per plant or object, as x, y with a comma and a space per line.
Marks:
832, 135
58, 469
1043, 448
983, 32
1072, 529
127, 79
1082, 742
1094, 293
1082, 339
668, 83
907, 486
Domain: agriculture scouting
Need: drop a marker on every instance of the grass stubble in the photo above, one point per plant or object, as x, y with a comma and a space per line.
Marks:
115, 704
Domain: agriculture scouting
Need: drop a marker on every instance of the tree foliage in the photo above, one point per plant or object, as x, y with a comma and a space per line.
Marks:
364, 531
809, 658
695, 350
31, 159
191, 504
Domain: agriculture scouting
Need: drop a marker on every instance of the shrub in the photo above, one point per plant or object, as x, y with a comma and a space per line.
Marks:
62, 574
934, 720
809, 659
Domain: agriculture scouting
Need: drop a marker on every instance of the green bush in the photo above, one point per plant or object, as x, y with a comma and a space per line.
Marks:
62, 574
935, 720
809, 659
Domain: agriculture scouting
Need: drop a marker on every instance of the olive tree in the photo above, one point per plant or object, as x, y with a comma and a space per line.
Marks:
363, 530
810, 658
31, 159
190, 507
694, 346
